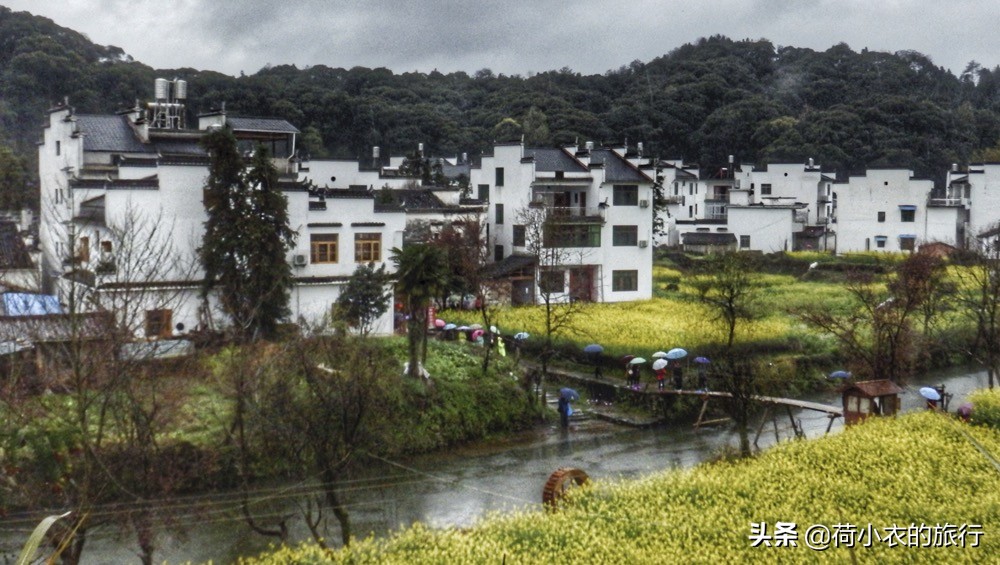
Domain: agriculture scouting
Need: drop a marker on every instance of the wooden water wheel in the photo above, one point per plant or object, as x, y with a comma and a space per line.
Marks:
562, 480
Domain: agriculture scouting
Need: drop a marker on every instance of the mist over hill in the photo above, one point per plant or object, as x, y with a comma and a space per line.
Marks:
702, 102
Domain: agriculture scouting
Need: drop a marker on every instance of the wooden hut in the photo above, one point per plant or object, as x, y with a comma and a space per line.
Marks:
870, 398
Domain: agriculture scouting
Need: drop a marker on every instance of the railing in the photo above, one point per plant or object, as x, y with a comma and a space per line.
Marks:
945, 201
801, 217
572, 213
674, 199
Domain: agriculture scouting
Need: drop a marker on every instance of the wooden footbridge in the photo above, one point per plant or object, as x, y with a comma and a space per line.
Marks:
772, 404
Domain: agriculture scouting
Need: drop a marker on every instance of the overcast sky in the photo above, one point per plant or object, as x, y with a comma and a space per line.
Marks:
511, 36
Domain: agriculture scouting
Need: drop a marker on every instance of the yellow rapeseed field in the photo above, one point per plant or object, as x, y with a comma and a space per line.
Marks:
929, 493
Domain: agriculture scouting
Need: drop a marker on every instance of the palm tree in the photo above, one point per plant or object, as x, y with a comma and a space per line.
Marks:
421, 271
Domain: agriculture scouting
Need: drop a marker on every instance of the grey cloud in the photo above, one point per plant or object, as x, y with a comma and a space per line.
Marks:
513, 37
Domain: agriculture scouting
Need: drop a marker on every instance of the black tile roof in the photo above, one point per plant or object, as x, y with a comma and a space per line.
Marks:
180, 147
271, 125
511, 265
13, 253
109, 133
416, 199
551, 160
708, 238
617, 169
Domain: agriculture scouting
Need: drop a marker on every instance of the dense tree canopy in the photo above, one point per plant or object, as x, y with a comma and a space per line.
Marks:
246, 238
703, 101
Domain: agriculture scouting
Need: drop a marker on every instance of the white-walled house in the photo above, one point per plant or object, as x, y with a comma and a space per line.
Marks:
977, 191
889, 210
144, 172
597, 205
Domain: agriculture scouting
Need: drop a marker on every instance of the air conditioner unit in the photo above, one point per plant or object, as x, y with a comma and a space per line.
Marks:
643, 243
644, 203
299, 260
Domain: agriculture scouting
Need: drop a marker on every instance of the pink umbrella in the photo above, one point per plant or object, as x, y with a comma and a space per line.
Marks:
439, 323
476, 334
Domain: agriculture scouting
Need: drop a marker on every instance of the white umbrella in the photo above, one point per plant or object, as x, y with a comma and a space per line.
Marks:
637, 361
659, 355
659, 364
676, 353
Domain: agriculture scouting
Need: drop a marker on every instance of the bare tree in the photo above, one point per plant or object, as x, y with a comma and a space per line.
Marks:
730, 287
469, 255
317, 403
979, 299
107, 442
554, 247
877, 334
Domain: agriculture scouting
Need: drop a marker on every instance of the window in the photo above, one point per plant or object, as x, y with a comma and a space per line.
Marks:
499, 177
744, 242
519, 236
625, 236
106, 247
367, 247
499, 213
907, 214
83, 249
572, 235
58, 147
158, 323
623, 281
907, 243
881, 216
323, 248
880, 241
550, 282
498, 253
690, 211
626, 195
484, 192
765, 189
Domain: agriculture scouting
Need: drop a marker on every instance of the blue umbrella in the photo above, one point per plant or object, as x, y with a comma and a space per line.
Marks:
702, 360
449, 327
569, 394
930, 394
676, 353
522, 335
593, 348
840, 375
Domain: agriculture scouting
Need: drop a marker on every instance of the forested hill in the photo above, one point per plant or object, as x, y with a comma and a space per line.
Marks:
702, 102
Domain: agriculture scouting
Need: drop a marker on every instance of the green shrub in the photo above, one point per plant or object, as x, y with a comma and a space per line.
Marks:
986, 407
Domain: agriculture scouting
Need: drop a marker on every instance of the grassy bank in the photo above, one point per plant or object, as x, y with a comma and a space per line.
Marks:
40, 440
917, 469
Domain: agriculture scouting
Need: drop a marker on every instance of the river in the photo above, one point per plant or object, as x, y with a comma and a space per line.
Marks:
458, 487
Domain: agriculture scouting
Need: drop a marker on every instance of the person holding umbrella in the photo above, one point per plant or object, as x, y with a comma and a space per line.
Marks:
702, 373
566, 395
660, 370
594, 352
675, 355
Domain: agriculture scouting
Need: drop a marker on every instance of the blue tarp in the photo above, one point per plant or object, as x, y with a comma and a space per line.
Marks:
25, 304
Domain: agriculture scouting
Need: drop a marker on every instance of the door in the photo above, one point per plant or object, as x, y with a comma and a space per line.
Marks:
581, 284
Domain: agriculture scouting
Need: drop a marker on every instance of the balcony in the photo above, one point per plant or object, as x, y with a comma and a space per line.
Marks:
801, 217
674, 199
945, 202
572, 214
